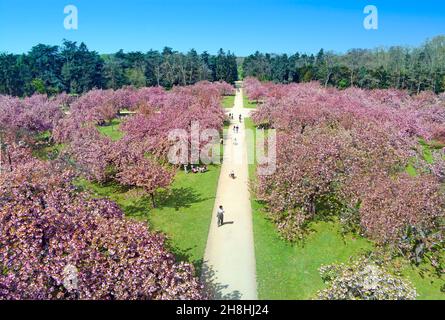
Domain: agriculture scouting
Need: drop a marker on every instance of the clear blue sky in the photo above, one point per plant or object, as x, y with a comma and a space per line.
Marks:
242, 26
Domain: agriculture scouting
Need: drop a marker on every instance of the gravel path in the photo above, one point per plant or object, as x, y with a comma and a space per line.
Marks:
229, 260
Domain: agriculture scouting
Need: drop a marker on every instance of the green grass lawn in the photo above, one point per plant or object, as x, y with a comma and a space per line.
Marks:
183, 214
228, 101
425, 280
186, 214
289, 272
249, 104
112, 130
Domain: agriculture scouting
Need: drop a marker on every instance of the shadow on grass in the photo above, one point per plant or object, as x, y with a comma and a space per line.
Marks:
178, 198
107, 188
138, 208
213, 288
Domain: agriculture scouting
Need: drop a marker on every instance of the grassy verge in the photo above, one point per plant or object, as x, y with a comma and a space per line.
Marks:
249, 104
228, 101
186, 214
290, 272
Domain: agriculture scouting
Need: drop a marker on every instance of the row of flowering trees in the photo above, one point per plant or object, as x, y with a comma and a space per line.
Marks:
139, 158
101, 106
58, 242
347, 153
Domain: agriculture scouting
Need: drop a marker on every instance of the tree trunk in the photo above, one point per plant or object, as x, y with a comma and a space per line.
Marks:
327, 79
10, 162
311, 206
153, 199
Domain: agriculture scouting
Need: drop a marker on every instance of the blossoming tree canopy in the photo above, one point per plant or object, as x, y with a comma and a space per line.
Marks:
47, 225
347, 153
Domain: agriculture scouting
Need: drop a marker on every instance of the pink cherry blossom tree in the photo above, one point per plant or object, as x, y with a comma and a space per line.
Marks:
48, 227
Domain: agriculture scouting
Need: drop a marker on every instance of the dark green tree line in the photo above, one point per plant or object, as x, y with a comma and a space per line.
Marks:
74, 69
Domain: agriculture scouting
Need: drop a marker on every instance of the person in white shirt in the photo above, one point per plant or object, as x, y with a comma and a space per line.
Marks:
220, 216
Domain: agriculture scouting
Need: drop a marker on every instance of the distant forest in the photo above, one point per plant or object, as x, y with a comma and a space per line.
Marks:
413, 69
73, 68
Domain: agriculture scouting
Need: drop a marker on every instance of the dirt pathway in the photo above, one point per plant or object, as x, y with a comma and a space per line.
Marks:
229, 260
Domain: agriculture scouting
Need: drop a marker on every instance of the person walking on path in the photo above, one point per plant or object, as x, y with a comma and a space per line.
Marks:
220, 216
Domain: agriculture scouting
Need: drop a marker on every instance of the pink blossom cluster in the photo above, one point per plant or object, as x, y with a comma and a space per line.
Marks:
48, 227
101, 106
184, 107
29, 116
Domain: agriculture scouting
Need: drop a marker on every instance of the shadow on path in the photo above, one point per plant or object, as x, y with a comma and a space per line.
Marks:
215, 290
